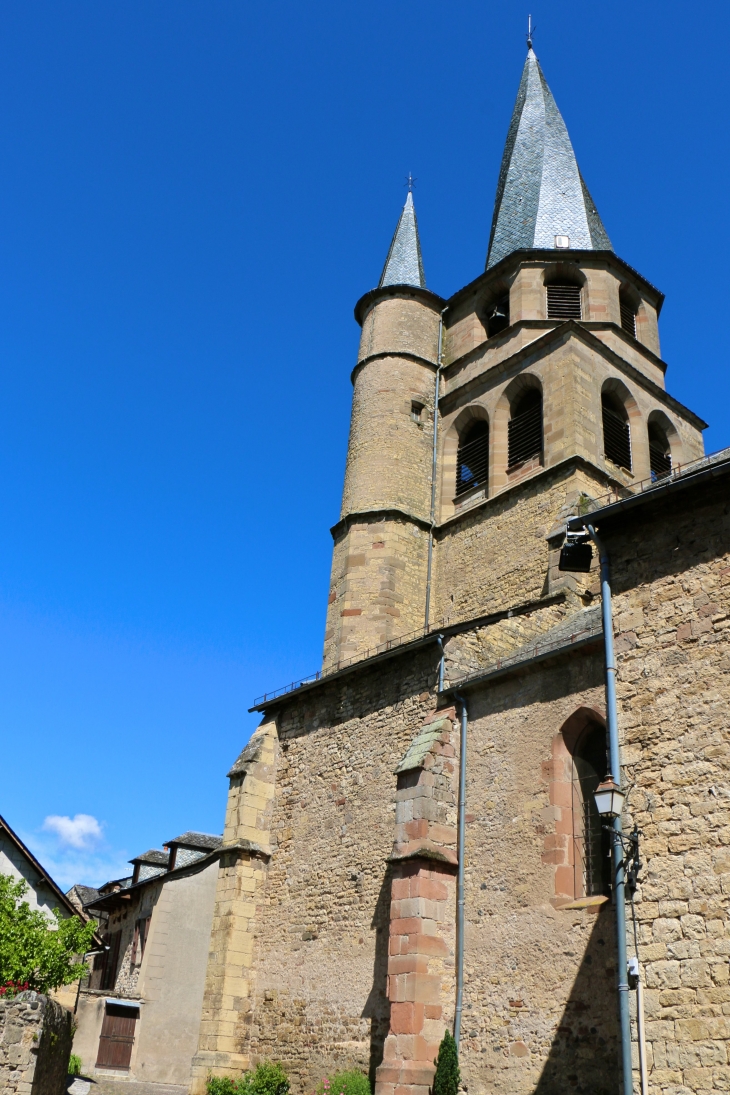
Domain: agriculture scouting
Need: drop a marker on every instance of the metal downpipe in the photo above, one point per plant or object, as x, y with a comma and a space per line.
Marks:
460, 874
434, 461
617, 849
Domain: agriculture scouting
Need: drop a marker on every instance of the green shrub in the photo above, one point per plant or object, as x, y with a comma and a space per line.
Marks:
221, 1085
268, 1078
74, 1065
446, 1080
350, 1082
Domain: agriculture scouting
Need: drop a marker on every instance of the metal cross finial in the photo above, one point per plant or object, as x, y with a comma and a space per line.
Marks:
530, 31
410, 182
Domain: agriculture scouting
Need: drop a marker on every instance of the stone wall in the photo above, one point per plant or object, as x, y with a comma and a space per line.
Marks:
672, 607
35, 1045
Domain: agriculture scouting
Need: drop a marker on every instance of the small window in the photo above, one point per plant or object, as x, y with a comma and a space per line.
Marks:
616, 432
591, 840
660, 455
563, 301
628, 315
472, 458
497, 316
524, 440
417, 411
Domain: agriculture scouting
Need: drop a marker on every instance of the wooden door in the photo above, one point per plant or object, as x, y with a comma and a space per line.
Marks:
117, 1036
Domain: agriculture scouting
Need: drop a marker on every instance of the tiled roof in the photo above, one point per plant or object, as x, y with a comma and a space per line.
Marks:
404, 265
541, 193
204, 841
422, 743
152, 856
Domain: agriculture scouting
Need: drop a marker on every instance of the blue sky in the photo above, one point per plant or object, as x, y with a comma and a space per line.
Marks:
193, 196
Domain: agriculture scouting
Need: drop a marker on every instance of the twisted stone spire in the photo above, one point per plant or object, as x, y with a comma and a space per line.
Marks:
541, 193
404, 265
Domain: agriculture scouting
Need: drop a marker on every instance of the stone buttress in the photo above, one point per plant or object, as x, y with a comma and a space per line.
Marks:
422, 927
243, 866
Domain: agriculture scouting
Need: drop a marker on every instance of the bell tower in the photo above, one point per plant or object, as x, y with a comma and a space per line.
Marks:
378, 584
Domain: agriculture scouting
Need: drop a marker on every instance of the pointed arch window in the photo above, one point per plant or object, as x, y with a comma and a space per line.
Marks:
472, 458
590, 840
660, 454
616, 431
525, 429
498, 316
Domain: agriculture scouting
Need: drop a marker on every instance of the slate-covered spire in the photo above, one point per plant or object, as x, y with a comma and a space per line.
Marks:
404, 265
540, 193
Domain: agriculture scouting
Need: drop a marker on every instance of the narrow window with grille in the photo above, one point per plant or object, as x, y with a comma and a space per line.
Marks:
592, 848
616, 433
660, 455
628, 315
472, 458
524, 441
563, 301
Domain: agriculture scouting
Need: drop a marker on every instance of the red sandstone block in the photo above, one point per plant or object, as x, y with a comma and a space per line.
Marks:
427, 944
429, 888
444, 834
400, 888
406, 1018
414, 829
411, 925
433, 1012
555, 841
561, 794
407, 963
565, 881
427, 990
556, 856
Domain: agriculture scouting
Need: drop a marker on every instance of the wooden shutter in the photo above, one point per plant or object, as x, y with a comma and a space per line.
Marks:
117, 1037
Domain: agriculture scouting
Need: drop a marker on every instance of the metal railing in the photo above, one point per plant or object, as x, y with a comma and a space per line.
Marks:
588, 505
527, 653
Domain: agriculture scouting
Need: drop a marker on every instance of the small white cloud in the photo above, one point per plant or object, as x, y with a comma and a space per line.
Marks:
82, 831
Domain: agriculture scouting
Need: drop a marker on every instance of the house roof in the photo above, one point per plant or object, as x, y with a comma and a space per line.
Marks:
64, 903
154, 856
203, 841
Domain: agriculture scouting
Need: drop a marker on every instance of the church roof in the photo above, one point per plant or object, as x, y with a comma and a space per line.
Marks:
404, 265
541, 193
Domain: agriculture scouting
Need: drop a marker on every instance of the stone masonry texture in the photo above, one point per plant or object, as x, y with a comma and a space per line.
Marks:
35, 1045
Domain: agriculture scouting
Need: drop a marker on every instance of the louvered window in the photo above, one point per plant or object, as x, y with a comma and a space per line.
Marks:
660, 456
472, 458
616, 436
563, 301
628, 317
525, 430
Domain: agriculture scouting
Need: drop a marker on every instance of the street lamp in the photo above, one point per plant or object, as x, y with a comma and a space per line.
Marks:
609, 798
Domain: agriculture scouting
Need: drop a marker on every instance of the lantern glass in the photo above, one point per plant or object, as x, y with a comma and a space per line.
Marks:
609, 798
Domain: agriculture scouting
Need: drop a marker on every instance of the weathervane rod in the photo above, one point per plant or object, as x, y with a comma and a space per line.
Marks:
530, 31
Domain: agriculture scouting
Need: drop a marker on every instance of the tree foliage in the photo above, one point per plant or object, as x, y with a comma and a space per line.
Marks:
349, 1082
447, 1078
33, 950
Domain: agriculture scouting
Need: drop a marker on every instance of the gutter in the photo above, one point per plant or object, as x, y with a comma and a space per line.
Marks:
659, 491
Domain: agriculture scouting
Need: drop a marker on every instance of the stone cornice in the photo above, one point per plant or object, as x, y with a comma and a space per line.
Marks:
378, 515
385, 292
529, 255
560, 333
393, 353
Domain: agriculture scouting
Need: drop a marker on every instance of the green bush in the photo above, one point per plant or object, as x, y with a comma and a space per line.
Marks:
74, 1065
268, 1078
350, 1082
446, 1080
